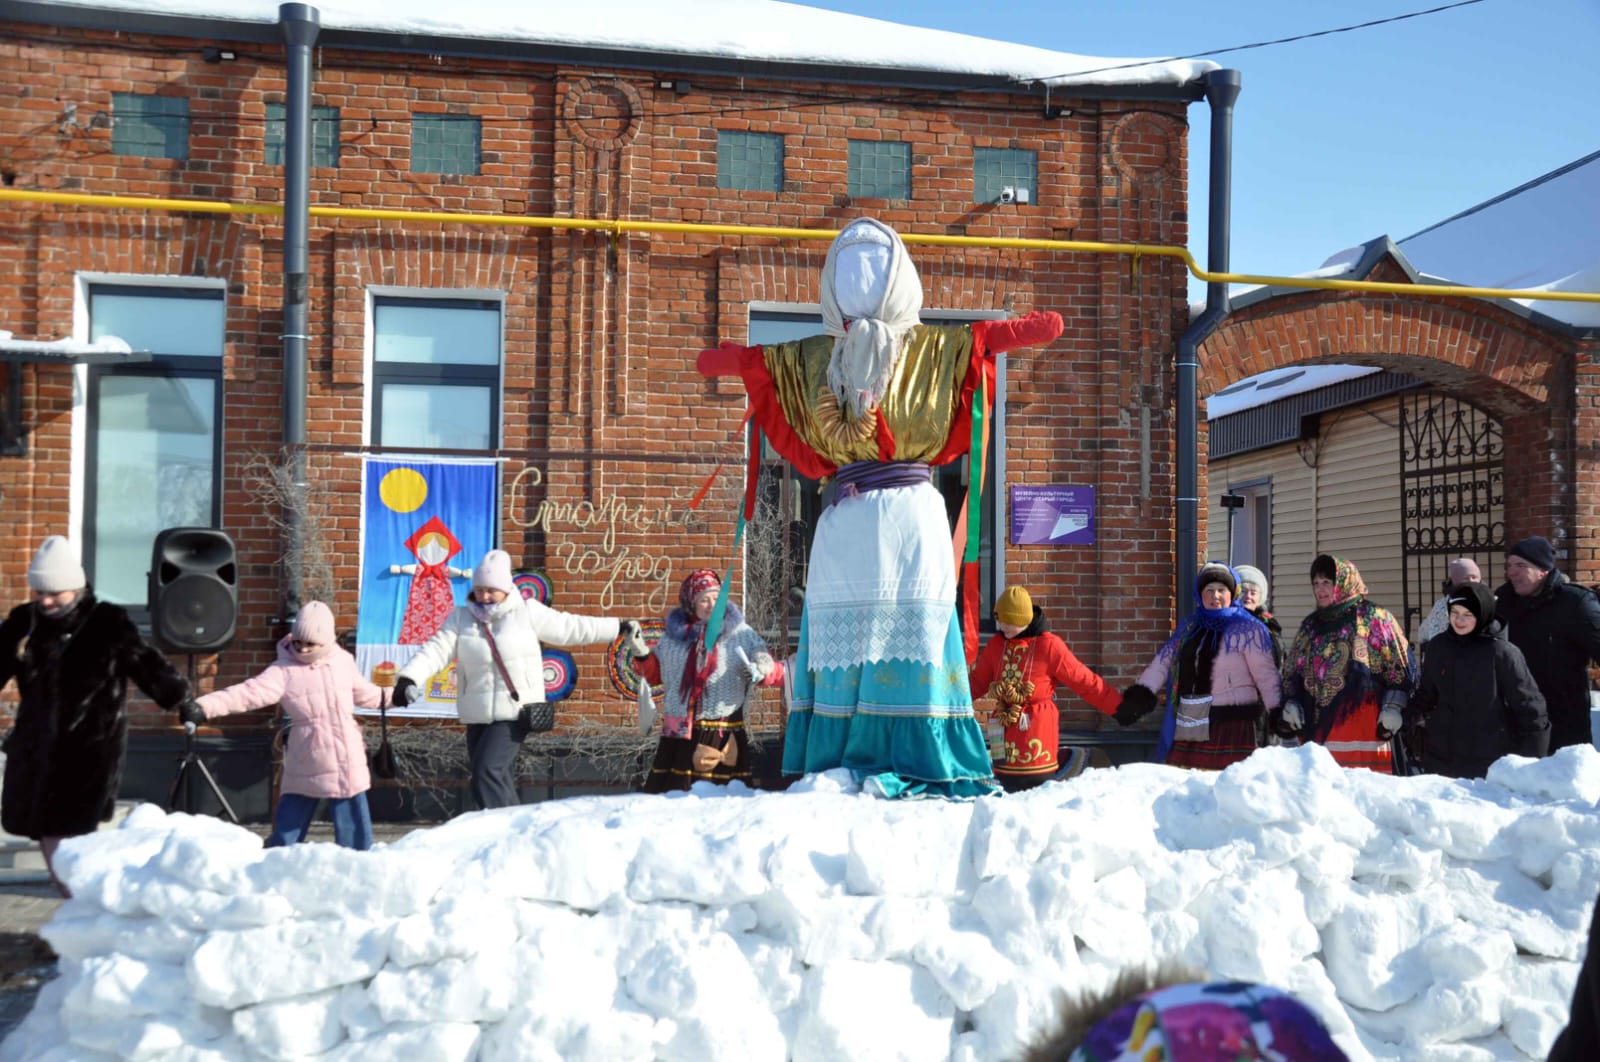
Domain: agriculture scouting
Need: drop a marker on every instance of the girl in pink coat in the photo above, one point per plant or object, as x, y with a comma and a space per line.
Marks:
319, 686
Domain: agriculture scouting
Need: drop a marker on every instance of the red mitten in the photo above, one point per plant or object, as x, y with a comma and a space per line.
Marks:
1040, 326
725, 359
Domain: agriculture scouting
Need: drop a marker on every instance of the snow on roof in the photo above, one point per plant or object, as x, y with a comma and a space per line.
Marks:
1544, 234
1420, 918
738, 29
1270, 386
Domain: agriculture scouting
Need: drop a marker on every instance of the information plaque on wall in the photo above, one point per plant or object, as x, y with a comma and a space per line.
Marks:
1052, 516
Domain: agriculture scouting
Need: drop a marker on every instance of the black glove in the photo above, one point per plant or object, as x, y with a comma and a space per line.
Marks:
404, 692
190, 713
1137, 702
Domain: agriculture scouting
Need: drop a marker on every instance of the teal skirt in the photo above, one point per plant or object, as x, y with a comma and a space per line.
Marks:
904, 729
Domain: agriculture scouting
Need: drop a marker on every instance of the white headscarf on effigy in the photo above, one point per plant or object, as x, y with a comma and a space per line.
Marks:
869, 282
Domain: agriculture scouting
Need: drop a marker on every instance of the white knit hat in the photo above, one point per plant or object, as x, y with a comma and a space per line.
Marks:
494, 572
55, 567
1250, 574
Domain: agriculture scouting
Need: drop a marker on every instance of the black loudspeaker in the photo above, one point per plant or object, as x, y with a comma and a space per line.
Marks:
194, 590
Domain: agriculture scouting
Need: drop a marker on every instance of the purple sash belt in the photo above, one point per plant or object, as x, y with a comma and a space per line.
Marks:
861, 477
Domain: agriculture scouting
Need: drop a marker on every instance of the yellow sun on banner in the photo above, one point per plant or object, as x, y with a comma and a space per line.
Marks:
403, 489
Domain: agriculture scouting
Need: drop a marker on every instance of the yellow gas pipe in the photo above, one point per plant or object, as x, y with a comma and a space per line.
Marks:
620, 226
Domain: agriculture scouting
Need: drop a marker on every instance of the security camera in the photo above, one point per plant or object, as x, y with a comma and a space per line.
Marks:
1008, 194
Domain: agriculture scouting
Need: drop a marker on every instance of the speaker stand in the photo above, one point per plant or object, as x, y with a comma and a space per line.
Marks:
190, 765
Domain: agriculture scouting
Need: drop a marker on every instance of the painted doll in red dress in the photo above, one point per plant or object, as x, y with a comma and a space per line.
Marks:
1021, 668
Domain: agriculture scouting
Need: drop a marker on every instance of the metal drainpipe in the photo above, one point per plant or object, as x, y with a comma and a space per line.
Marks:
1222, 89
301, 24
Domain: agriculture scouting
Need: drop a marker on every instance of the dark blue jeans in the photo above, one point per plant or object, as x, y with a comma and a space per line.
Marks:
352, 820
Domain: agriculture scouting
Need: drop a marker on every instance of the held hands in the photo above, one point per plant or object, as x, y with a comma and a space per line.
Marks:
758, 669
190, 714
633, 635
1294, 717
405, 691
1137, 702
1390, 720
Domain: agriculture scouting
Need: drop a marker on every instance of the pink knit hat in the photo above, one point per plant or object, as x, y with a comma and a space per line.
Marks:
314, 624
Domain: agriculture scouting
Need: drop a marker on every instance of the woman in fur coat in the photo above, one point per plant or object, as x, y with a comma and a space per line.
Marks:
702, 727
72, 657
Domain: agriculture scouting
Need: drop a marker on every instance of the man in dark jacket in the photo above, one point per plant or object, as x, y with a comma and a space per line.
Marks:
72, 657
1476, 698
1556, 624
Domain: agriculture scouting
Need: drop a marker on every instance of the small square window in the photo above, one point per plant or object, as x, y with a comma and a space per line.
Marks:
148, 126
446, 143
996, 169
324, 135
879, 169
751, 162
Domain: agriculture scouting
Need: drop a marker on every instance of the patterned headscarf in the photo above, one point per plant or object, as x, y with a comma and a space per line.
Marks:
694, 584
1204, 1022
1347, 583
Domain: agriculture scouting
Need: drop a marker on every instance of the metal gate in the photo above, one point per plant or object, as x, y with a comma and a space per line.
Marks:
1452, 484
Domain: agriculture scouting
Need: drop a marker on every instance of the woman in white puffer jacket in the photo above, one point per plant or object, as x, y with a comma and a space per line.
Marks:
490, 694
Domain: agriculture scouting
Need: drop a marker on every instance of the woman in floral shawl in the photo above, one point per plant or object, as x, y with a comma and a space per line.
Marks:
1349, 674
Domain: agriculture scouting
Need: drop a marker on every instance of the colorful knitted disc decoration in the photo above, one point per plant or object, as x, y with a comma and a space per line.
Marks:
533, 583
560, 674
619, 660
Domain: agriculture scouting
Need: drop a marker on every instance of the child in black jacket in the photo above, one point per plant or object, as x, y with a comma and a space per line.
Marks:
1476, 697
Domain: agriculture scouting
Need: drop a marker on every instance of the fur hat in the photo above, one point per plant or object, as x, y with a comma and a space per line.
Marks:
1537, 551
55, 567
494, 572
1216, 572
1252, 576
1015, 607
314, 624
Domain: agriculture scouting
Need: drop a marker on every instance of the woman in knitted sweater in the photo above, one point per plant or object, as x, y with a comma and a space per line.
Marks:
1219, 677
702, 727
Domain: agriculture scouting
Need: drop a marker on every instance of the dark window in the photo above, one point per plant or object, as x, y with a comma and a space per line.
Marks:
879, 169
436, 373
996, 169
154, 449
324, 135
147, 126
806, 498
751, 162
446, 143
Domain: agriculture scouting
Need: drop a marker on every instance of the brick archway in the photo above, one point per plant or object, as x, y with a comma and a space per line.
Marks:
1515, 369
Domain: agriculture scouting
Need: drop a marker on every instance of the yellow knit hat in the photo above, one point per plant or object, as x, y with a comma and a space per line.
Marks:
1015, 607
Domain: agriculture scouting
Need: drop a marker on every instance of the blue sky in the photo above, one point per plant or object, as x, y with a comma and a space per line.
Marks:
1342, 138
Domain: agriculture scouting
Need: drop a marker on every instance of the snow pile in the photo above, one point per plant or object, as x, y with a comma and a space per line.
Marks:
1422, 918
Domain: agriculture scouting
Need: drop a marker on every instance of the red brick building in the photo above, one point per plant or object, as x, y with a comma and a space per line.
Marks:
586, 391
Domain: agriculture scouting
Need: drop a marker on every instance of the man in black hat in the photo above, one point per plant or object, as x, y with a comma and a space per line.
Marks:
1556, 624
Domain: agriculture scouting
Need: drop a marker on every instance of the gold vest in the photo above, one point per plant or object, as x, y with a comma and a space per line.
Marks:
919, 405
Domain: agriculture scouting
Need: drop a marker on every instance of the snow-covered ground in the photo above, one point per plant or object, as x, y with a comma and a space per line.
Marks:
1422, 918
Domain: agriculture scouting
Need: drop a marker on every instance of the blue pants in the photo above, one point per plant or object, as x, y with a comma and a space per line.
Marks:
352, 820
